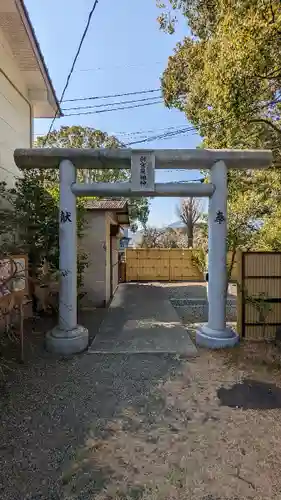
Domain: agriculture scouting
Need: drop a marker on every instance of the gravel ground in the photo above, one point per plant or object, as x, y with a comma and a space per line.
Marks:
189, 290
193, 311
154, 427
53, 411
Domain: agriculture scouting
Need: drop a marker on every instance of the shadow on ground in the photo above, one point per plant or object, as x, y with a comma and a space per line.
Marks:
251, 395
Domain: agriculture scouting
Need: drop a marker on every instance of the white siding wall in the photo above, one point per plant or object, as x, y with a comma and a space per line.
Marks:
15, 123
94, 244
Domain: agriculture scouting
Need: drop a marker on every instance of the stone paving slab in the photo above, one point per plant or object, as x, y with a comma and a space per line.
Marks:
141, 319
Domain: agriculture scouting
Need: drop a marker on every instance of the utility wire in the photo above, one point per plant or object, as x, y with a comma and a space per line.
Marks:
137, 132
125, 66
134, 133
166, 135
114, 109
147, 131
175, 133
112, 95
171, 134
131, 101
73, 65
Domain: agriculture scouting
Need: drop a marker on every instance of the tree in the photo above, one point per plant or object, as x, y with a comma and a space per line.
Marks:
270, 232
151, 237
86, 137
154, 237
190, 211
33, 225
31, 222
226, 78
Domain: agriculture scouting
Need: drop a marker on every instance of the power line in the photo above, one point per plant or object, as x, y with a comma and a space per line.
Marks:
112, 95
114, 109
175, 133
125, 66
134, 132
166, 135
172, 134
73, 65
171, 131
135, 101
200, 179
142, 134
146, 131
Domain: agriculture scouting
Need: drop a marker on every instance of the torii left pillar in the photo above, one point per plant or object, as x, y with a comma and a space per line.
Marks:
68, 337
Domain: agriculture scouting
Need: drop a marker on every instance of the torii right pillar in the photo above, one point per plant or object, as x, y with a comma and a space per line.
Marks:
215, 334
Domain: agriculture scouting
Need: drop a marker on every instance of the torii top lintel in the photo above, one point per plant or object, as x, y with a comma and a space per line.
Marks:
121, 158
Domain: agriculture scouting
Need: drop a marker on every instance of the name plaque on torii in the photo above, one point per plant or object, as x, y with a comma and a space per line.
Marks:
143, 171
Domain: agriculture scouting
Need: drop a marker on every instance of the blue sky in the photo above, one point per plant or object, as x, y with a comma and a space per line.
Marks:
127, 53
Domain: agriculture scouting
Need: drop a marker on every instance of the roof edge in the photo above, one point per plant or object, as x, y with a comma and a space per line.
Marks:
123, 209
38, 53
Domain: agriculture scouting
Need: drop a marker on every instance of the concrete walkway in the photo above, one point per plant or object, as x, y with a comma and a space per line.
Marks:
141, 319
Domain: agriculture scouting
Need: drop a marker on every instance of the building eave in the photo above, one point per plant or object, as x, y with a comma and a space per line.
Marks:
39, 56
121, 212
23, 60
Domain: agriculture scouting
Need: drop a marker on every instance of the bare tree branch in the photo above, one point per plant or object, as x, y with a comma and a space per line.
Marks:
163, 238
190, 211
267, 122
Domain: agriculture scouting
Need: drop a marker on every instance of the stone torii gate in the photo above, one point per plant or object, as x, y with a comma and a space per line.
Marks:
68, 337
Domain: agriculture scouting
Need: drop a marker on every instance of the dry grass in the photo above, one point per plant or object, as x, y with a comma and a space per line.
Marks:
187, 446
262, 358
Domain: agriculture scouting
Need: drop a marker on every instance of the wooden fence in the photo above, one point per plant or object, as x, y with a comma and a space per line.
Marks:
161, 264
164, 264
258, 277
259, 295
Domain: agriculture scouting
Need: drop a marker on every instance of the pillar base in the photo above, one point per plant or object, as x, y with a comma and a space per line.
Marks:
67, 342
216, 339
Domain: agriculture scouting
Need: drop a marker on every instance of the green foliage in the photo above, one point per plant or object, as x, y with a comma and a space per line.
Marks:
228, 71
261, 304
78, 137
86, 137
243, 225
198, 258
33, 225
226, 78
270, 233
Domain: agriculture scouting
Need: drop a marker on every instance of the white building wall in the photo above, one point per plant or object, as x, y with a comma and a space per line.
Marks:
15, 113
93, 243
